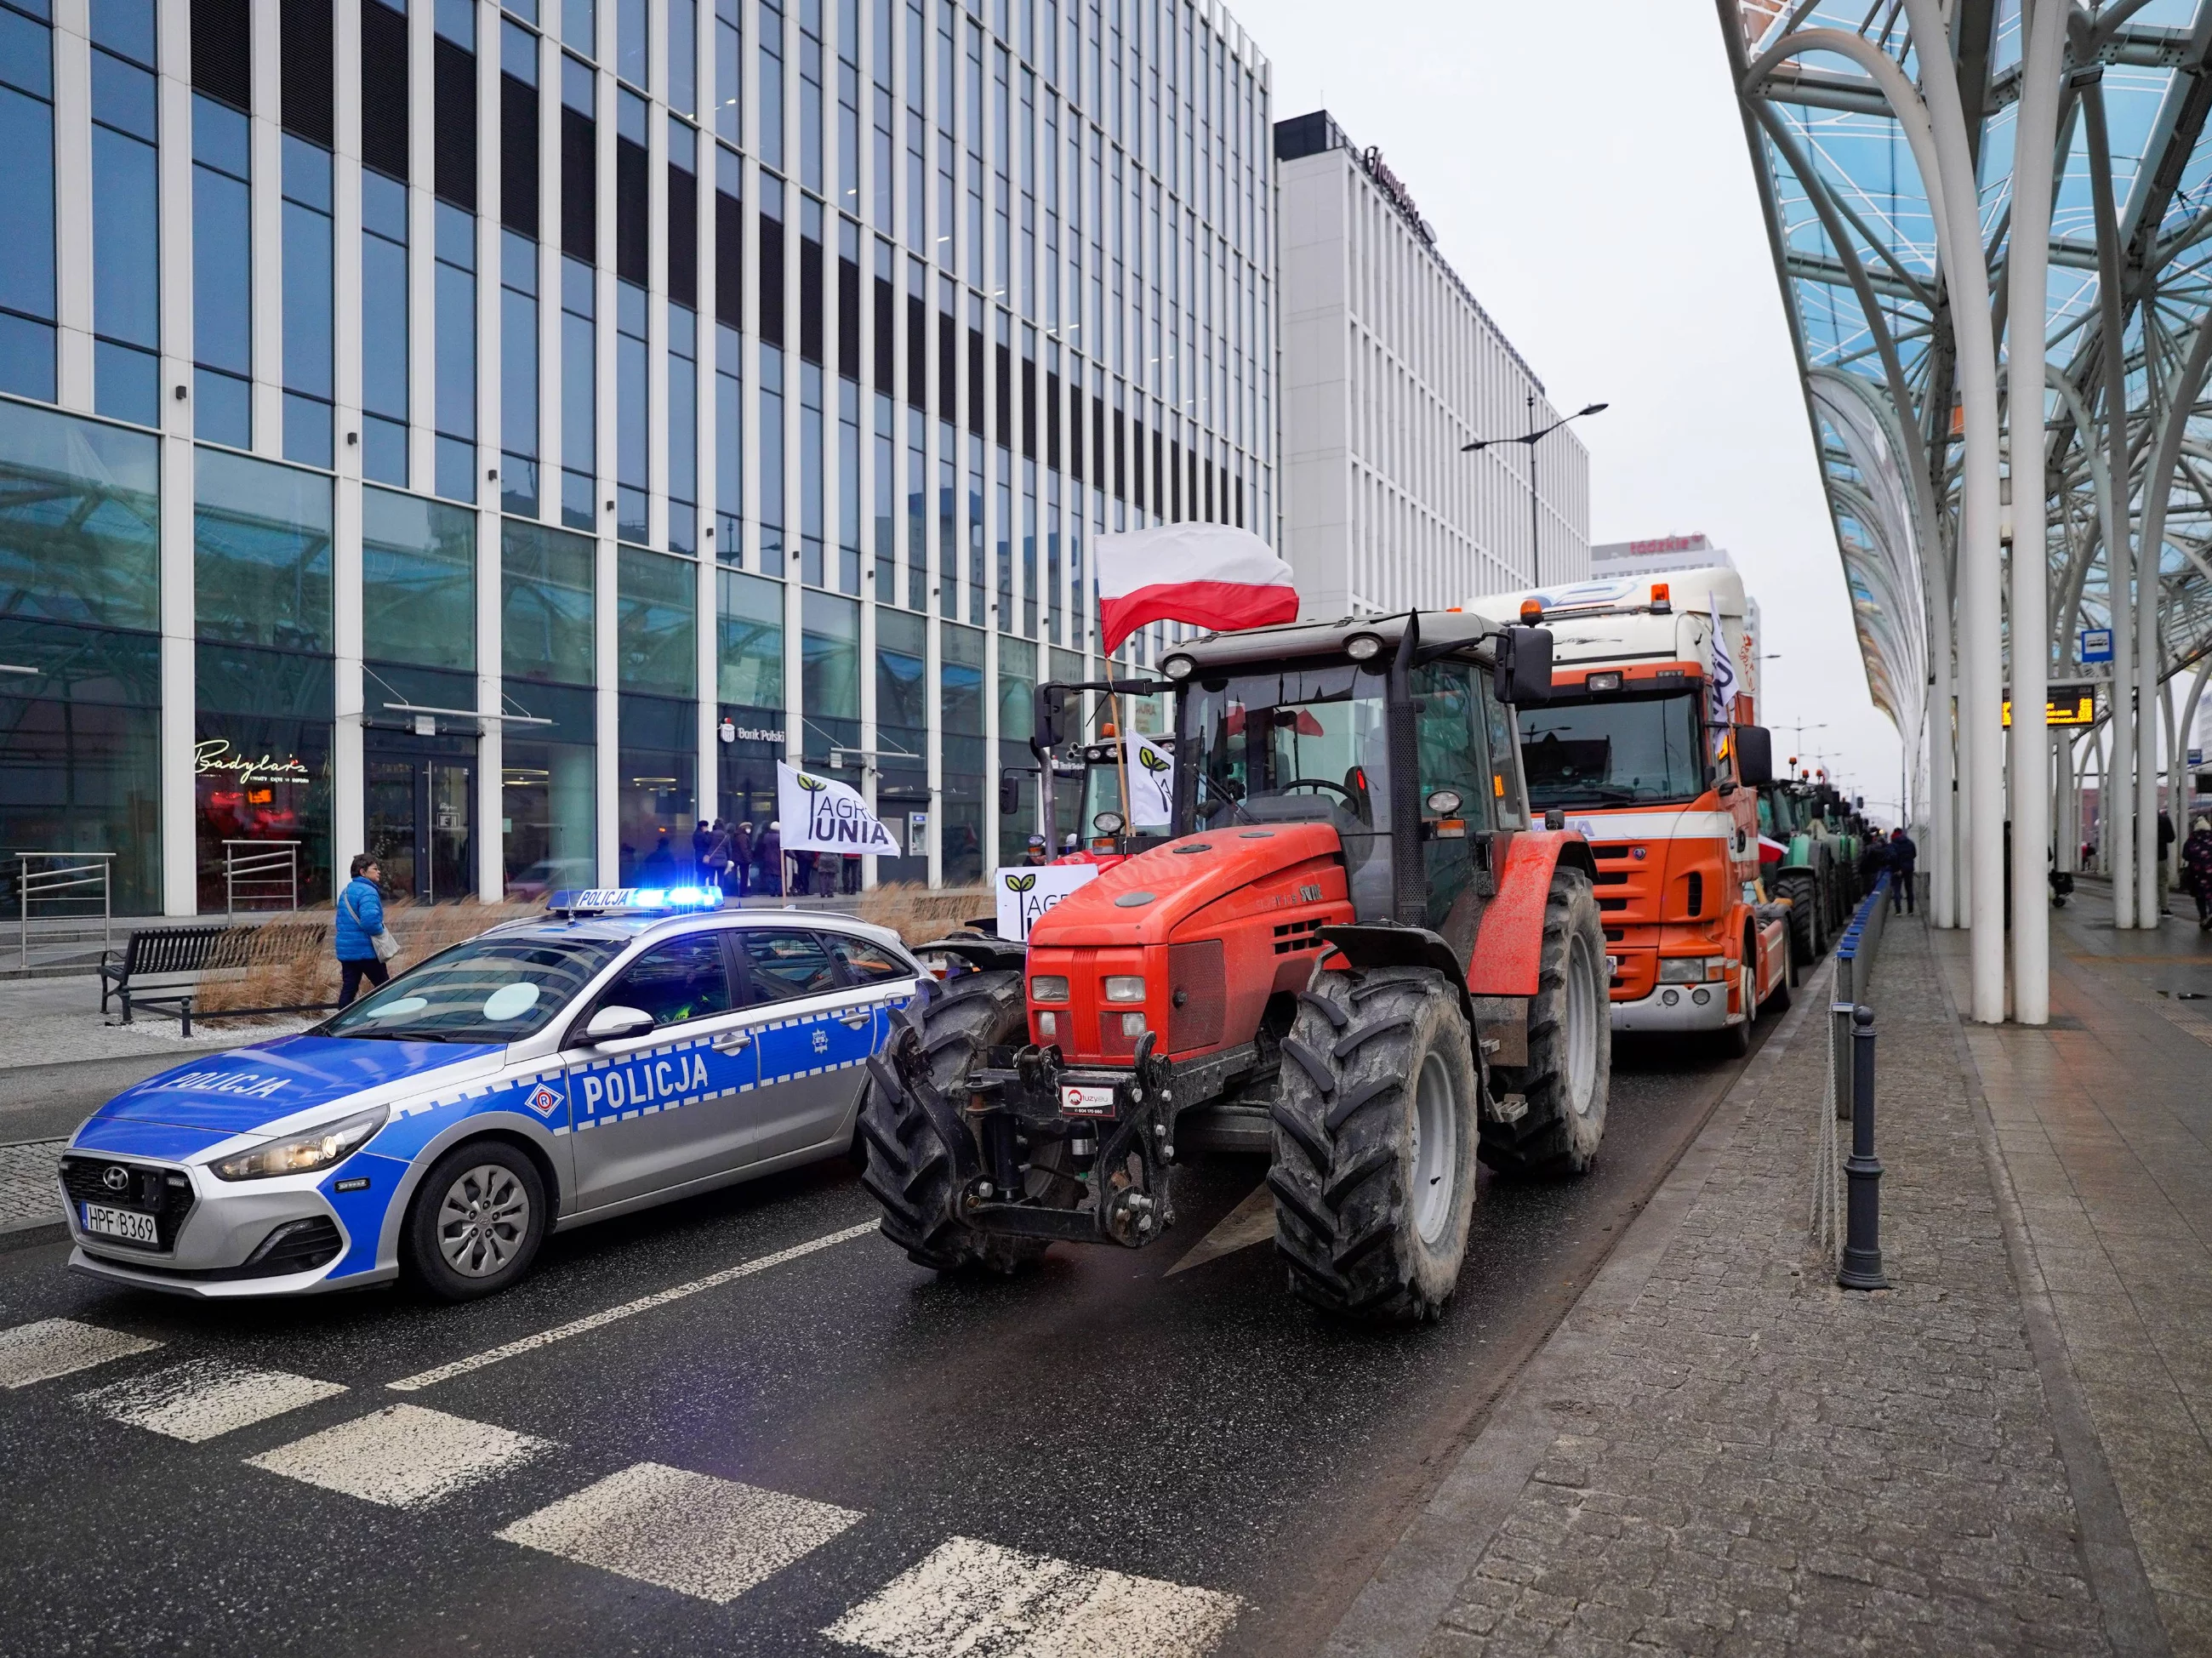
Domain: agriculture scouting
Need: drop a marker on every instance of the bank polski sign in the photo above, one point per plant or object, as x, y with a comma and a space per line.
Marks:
1025, 893
820, 814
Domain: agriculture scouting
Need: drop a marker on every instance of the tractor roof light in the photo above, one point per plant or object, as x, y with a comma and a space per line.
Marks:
1532, 612
1662, 603
1178, 667
1363, 647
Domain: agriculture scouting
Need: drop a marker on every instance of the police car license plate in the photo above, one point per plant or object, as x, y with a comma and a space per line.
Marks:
132, 1226
1087, 1101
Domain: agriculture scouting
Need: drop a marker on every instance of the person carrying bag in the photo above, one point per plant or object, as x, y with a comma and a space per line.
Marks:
362, 941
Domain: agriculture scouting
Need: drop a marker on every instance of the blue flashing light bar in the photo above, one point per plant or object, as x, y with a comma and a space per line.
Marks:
604, 901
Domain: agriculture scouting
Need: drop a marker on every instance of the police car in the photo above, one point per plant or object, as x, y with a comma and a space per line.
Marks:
625, 1050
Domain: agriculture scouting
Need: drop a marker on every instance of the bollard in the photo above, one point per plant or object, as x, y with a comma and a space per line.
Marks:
1861, 1268
1840, 1056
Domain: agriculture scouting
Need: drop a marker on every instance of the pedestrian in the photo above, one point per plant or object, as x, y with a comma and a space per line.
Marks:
715, 861
1035, 854
802, 883
658, 869
360, 925
741, 859
851, 883
1902, 855
2196, 869
768, 857
702, 842
2166, 873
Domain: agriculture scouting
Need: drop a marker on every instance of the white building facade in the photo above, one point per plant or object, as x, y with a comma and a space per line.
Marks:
493, 436
1388, 366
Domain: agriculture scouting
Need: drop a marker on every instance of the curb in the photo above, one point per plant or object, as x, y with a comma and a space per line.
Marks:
1400, 1606
31, 1236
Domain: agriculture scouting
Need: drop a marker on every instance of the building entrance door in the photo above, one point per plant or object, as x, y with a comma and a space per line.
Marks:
421, 825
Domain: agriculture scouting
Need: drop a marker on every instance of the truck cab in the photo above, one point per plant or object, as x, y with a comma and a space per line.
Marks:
1634, 752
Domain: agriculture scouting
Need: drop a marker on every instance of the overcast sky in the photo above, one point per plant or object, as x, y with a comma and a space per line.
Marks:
1586, 171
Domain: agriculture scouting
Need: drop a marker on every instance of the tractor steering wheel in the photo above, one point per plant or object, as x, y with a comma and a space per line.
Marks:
1350, 800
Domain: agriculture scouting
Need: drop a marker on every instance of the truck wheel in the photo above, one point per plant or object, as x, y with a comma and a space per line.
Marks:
1734, 1042
910, 1170
1375, 1127
1804, 918
1569, 1076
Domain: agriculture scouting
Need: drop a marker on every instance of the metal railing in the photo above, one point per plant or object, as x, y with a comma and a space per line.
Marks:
265, 873
61, 878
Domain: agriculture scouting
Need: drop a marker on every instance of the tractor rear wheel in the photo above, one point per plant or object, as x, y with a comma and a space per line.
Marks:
1375, 1129
1566, 1083
910, 1170
1804, 898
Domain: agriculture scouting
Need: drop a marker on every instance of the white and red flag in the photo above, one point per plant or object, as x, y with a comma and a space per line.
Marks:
1210, 575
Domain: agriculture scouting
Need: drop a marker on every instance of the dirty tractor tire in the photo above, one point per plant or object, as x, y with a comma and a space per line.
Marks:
1568, 1079
1375, 1127
1804, 897
910, 1171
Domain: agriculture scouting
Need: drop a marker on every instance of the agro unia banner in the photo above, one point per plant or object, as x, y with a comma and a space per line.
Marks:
1025, 893
1151, 784
820, 814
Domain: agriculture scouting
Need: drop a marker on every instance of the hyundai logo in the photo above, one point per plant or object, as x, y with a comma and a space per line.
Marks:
116, 1177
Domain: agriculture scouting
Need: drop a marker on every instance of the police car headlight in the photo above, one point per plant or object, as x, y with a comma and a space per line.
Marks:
306, 1151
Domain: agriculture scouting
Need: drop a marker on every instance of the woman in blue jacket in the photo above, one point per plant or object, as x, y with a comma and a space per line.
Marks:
361, 918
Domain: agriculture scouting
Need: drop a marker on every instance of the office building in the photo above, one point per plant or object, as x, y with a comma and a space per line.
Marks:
492, 436
1388, 366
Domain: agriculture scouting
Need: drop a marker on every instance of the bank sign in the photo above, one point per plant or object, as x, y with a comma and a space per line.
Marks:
820, 814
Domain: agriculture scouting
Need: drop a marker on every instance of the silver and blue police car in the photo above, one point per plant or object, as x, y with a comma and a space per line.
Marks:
623, 1051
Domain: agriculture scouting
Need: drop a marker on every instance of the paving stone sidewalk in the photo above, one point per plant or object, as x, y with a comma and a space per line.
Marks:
1732, 1455
28, 1197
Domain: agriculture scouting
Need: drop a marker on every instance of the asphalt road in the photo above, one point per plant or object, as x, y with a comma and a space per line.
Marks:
892, 1437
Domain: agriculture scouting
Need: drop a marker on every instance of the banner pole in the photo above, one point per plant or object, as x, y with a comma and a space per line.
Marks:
1122, 730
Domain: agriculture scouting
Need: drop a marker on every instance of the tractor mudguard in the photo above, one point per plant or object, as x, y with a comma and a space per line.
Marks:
1388, 944
1509, 948
983, 954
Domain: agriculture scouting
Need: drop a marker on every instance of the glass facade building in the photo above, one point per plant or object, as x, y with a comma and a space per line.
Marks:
492, 436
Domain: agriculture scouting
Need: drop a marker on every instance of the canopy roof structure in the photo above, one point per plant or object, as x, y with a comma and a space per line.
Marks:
1894, 174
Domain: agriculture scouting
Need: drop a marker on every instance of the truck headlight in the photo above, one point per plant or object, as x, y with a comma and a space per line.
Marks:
1681, 969
306, 1151
1125, 987
1047, 987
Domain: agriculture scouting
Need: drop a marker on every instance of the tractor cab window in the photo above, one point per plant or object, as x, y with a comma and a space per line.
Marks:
1293, 745
1455, 789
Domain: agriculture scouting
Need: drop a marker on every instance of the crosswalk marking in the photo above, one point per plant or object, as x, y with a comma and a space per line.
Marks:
691, 1532
204, 1399
60, 1346
403, 1456
978, 1600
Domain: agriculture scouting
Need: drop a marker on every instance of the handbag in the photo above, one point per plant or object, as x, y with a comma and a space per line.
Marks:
381, 941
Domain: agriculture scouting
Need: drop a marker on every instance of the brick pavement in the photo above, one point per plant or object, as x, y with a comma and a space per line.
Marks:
1720, 1451
26, 1184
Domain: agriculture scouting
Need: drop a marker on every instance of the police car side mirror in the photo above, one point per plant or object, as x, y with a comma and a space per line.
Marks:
613, 1024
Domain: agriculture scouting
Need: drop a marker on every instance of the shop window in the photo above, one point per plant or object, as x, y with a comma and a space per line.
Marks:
547, 607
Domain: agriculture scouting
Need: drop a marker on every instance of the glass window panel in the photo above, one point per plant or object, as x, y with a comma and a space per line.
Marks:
579, 27
684, 979
547, 608
308, 349
418, 584
126, 383
125, 26
829, 656
657, 621
126, 240
749, 645
123, 96
223, 272
631, 41
27, 55
79, 521
457, 352
262, 535
221, 138
782, 964
683, 55
384, 327
26, 205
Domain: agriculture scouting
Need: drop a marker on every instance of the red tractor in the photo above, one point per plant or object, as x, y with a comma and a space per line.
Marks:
1354, 952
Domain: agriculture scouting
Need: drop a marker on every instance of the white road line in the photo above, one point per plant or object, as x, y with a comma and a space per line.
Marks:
402, 1456
978, 1600
204, 1399
688, 1532
628, 1309
58, 1346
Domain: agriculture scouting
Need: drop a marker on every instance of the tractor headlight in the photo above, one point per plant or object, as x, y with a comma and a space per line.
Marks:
1178, 667
305, 1152
1047, 987
1125, 987
1132, 1024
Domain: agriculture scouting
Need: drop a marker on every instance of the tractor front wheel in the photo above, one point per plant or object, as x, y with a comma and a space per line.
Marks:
1567, 1080
1375, 1129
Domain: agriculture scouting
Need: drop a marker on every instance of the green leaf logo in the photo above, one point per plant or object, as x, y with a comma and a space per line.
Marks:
1020, 882
811, 785
1151, 759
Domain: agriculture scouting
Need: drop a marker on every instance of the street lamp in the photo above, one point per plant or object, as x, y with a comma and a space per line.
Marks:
1532, 437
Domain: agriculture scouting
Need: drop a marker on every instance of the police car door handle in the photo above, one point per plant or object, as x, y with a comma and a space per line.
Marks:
732, 1041
854, 1021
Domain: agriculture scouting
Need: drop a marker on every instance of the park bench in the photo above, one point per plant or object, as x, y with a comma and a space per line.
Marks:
161, 968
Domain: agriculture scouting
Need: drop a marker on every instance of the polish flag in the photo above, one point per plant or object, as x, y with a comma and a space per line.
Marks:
1210, 575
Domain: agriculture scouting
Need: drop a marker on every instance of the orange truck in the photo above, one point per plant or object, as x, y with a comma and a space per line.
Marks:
1648, 748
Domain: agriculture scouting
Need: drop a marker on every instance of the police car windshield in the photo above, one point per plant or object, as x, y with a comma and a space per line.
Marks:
489, 990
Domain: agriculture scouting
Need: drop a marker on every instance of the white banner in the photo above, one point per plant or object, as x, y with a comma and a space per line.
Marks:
1151, 784
1026, 893
820, 814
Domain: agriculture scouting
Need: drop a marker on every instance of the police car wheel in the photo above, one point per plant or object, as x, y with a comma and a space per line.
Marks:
477, 1219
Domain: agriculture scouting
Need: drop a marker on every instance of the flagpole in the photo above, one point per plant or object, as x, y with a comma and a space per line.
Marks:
1122, 724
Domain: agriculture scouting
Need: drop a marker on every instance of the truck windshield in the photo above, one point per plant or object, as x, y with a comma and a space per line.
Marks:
1614, 750
1292, 744
487, 990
